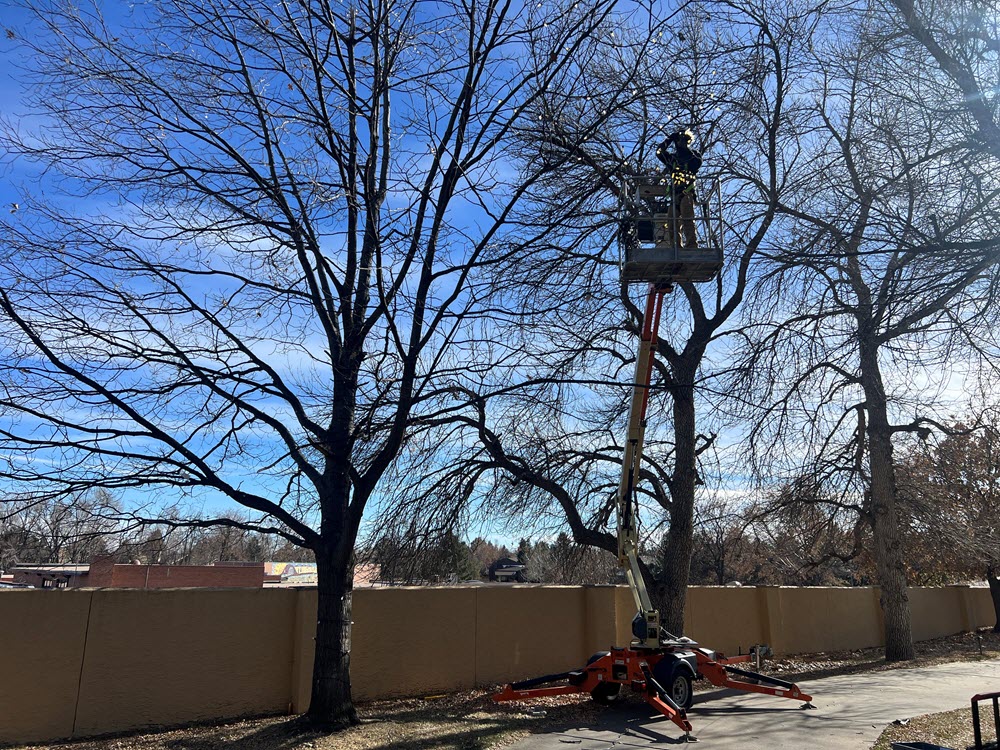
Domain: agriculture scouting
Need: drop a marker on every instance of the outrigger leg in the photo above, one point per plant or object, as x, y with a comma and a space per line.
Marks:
717, 669
658, 698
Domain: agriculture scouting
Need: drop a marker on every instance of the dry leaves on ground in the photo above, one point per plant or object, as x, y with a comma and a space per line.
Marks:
951, 729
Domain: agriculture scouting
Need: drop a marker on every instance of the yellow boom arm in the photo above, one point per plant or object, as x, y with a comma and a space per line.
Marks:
628, 533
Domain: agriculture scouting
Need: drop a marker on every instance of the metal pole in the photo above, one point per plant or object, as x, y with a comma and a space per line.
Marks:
975, 725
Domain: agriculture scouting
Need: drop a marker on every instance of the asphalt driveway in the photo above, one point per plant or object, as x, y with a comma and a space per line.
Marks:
851, 712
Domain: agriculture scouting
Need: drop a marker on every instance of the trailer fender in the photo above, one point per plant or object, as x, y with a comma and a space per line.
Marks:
682, 660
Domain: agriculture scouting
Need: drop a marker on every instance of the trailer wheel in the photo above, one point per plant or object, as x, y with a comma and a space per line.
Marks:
680, 689
606, 693
675, 678
599, 655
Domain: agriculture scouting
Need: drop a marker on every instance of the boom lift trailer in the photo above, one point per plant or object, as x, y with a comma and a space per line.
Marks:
657, 664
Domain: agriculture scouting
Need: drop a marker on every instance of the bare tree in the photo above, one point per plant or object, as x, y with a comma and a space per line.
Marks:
411, 556
73, 529
721, 544
804, 541
267, 267
546, 443
950, 500
884, 282
961, 38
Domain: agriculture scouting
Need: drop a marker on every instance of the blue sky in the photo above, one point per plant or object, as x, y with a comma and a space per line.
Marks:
18, 182
12, 21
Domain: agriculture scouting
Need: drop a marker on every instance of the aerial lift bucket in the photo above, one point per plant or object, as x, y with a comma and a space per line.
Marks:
652, 232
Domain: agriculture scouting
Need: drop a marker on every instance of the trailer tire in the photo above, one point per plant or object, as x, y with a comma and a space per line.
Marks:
596, 657
606, 693
680, 689
674, 676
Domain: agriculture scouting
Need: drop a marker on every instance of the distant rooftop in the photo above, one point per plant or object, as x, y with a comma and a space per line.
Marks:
65, 569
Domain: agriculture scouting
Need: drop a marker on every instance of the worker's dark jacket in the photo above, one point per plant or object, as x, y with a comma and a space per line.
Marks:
682, 164
685, 164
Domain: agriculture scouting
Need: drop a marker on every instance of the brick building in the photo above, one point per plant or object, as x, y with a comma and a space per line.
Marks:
103, 572
51, 576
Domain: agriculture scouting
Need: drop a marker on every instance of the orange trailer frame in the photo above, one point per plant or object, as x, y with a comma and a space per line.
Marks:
635, 668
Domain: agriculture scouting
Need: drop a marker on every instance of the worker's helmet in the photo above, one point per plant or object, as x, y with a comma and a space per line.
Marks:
687, 135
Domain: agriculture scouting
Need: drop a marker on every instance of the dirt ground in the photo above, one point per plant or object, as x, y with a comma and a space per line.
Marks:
462, 721
952, 729
471, 721
982, 644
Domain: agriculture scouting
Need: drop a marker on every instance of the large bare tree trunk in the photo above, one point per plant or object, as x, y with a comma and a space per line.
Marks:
331, 705
991, 578
671, 591
889, 552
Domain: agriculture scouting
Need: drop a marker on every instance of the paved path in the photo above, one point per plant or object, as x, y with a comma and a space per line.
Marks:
851, 713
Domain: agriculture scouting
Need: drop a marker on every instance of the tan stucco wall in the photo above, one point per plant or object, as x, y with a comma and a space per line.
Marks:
625, 610
305, 649
526, 630
85, 662
419, 641
725, 619
42, 635
823, 619
600, 618
414, 640
980, 607
933, 610
170, 656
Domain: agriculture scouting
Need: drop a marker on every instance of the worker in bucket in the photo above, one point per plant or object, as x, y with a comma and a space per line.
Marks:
682, 163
